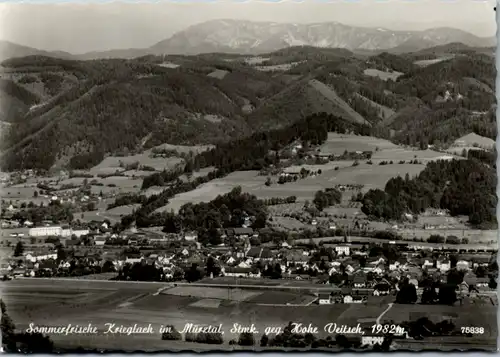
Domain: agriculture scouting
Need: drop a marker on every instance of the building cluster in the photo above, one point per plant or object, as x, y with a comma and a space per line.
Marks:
351, 271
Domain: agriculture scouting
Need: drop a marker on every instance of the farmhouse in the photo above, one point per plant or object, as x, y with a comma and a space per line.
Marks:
324, 299
240, 233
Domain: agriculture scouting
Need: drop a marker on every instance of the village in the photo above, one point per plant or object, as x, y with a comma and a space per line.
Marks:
352, 269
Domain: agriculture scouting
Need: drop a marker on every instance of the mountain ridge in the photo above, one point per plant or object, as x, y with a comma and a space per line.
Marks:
253, 38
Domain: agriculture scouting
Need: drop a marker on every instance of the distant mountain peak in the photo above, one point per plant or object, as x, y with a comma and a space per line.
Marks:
251, 37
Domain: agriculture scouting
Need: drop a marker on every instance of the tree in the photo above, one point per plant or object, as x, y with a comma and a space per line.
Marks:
246, 339
447, 294
19, 249
7, 328
171, 334
264, 340
407, 294
429, 295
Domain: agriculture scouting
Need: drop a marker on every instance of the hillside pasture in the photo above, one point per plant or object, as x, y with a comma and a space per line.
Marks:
111, 164
184, 149
336, 144
248, 180
218, 74
475, 141
383, 75
122, 210
330, 94
425, 63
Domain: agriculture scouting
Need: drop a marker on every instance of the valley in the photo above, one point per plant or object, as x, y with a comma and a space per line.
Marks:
215, 182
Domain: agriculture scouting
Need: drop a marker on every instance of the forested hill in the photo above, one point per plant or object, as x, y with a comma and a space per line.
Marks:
58, 110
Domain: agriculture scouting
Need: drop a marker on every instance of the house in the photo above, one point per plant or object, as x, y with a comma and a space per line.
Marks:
413, 281
28, 223
324, 299
237, 272
427, 263
358, 299
347, 299
79, 232
383, 287
257, 253
296, 257
462, 265
342, 250
482, 282
100, 240
243, 265
191, 236
359, 281
242, 233
443, 265
72, 242
45, 231
65, 231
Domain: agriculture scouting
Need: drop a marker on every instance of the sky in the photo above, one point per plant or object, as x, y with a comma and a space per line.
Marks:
83, 27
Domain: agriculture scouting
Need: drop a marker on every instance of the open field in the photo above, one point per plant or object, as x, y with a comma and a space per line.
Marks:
212, 293
372, 176
382, 74
58, 303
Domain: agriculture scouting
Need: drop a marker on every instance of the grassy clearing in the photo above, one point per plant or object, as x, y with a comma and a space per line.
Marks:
425, 63
385, 112
474, 140
218, 73
184, 148
382, 74
332, 96
112, 163
248, 180
122, 210
336, 144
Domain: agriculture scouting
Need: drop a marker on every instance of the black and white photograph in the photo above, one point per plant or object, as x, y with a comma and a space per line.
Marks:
248, 176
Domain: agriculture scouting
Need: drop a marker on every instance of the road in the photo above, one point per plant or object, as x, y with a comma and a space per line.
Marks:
383, 313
